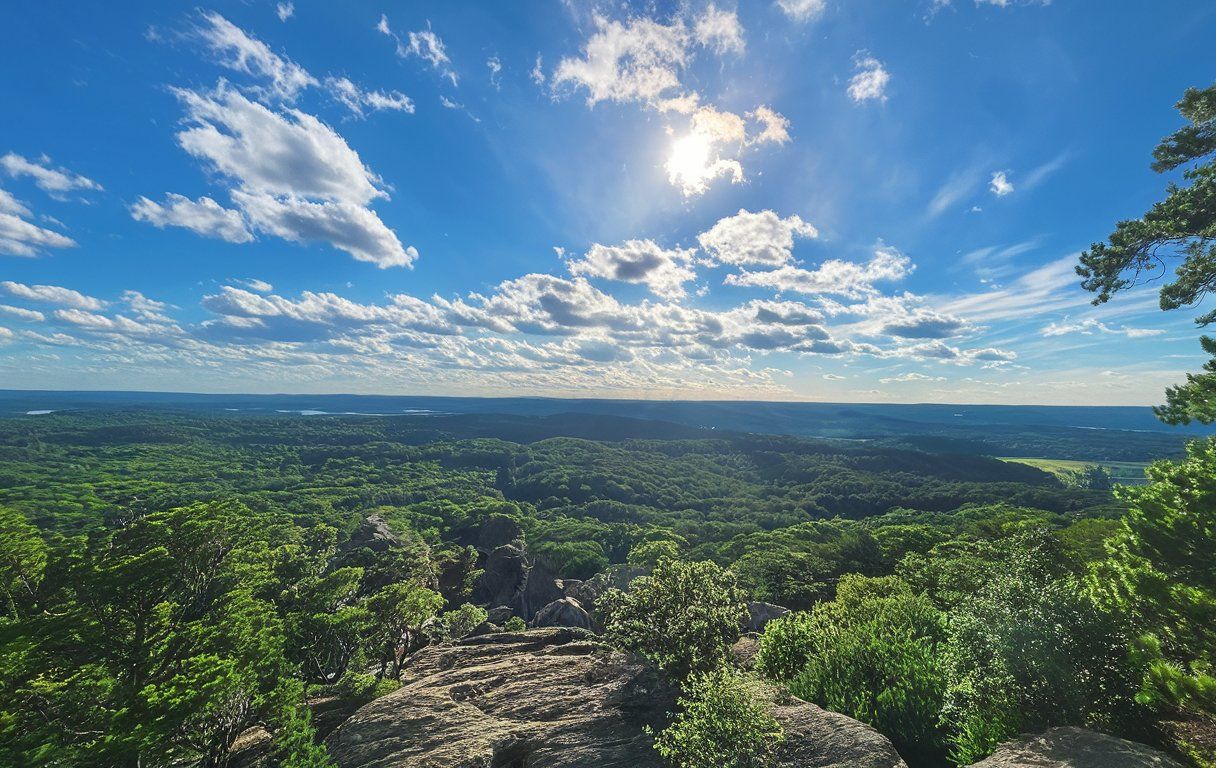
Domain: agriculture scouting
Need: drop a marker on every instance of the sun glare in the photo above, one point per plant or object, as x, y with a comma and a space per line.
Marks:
689, 164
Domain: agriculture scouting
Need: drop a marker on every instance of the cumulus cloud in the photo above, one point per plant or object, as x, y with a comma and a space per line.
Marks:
347, 226
56, 182
762, 238
292, 176
1000, 184
870, 79
802, 11
637, 60
926, 324
775, 128
203, 217
285, 10
423, 44
21, 237
834, 277
52, 294
644, 262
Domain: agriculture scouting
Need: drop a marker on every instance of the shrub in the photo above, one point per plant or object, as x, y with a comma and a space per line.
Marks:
723, 723
683, 616
870, 654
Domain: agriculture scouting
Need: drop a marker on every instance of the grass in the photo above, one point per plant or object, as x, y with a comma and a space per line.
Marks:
1124, 472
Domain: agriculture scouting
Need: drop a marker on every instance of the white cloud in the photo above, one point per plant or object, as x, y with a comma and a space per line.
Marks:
802, 11
1000, 184
278, 153
870, 81
423, 44
639, 60
52, 294
21, 313
538, 73
20, 237
54, 181
663, 271
719, 30
239, 51
775, 126
834, 277
761, 238
358, 100
253, 284
495, 66
285, 10
347, 226
910, 376
1092, 325
203, 217
833, 377
293, 176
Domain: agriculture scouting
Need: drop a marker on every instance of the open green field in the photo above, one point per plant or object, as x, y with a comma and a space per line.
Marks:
1124, 472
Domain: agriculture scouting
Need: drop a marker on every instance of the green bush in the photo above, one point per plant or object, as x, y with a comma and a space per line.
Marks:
723, 722
683, 616
515, 624
870, 654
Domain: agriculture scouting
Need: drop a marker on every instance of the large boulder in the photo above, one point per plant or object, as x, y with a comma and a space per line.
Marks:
759, 614
539, 589
558, 699
497, 531
1075, 748
502, 576
562, 613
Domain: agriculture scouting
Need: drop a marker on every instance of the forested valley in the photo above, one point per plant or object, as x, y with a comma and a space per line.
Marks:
176, 583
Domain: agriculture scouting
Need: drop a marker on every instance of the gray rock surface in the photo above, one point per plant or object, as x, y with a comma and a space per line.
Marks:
615, 577
502, 577
562, 613
539, 589
760, 614
374, 533
1075, 748
555, 698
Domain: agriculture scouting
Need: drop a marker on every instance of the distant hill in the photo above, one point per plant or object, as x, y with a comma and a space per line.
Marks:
1066, 432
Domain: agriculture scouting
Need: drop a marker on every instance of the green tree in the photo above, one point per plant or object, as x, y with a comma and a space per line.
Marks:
1030, 650
1162, 576
398, 612
684, 616
22, 560
457, 623
724, 722
872, 653
1182, 225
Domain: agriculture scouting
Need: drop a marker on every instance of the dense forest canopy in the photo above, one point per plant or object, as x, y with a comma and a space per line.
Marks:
172, 579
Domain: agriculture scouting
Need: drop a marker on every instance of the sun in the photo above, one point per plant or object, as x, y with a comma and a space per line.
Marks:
689, 165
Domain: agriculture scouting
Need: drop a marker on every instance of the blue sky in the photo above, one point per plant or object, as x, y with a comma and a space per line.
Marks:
800, 199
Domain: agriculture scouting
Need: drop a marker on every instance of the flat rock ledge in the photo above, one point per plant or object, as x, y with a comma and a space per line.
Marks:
558, 698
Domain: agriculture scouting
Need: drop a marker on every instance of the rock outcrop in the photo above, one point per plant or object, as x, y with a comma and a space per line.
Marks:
502, 577
614, 577
759, 614
1075, 748
375, 534
562, 613
557, 698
